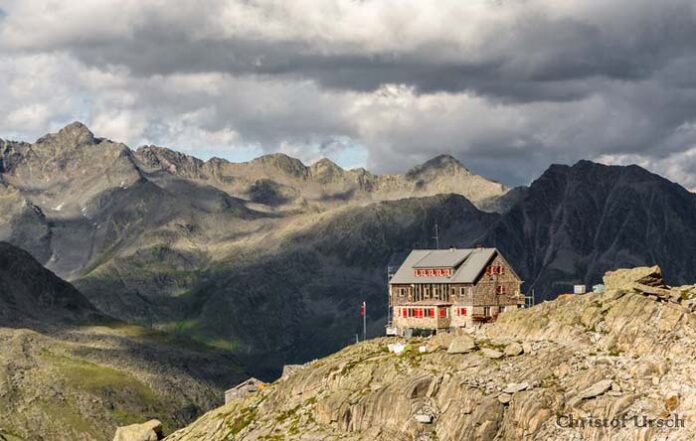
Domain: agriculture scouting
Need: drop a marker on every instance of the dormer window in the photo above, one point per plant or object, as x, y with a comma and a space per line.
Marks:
433, 272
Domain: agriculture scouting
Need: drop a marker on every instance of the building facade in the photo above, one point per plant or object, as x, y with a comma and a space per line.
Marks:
435, 290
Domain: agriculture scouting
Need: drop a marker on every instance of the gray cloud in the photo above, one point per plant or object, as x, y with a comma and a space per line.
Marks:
506, 86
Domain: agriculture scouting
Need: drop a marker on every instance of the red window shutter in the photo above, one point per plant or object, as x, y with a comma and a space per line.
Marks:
464, 311
443, 313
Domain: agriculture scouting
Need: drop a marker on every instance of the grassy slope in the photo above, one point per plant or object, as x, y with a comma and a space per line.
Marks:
83, 382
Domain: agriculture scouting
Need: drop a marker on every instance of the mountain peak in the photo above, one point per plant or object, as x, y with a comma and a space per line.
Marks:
288, 164
325, 170
439, 164
326, 165
74, 133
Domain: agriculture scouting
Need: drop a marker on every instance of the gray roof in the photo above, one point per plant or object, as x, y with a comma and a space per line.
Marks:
437, 259
468, 265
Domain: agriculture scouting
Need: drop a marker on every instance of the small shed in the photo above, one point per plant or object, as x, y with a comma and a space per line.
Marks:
243, 389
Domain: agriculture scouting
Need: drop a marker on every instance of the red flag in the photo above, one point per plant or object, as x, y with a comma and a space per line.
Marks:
362, 310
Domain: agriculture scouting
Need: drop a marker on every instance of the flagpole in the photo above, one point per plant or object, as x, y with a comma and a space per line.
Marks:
364, 320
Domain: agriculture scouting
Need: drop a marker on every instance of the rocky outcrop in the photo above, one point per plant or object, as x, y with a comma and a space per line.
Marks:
621, 355
628, 278
149, 431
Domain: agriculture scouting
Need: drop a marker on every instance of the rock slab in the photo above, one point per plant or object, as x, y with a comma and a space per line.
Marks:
461, 345
149, 431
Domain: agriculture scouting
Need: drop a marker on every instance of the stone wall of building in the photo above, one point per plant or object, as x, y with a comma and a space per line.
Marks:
486, 290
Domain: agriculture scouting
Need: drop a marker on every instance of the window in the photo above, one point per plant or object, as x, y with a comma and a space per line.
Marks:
430, 312
501, 308
443, 312
500, 289
487, 311
501, 269
404, 312
461, 312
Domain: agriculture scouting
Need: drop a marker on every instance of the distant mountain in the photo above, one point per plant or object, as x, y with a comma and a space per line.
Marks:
576, 222
72, 373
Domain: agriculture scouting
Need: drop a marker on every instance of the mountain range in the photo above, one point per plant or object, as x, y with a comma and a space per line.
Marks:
255, 257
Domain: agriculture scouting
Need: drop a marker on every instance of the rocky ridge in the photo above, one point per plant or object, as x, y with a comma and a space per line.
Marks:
622, 355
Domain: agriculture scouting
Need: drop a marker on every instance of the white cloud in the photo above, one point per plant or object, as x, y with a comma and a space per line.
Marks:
679, 167
508, 86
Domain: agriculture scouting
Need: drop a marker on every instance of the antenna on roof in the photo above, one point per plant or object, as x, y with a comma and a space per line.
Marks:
437, 236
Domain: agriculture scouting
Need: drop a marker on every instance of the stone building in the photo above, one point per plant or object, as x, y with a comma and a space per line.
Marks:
250, 386
437, 290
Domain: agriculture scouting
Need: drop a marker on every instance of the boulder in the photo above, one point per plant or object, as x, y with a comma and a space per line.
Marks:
492, 353
149, 431
440, 341
505, 398
625, 278
513, 350
462, 345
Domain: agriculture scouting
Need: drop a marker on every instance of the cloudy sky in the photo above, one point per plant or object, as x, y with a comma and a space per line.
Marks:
506, 86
